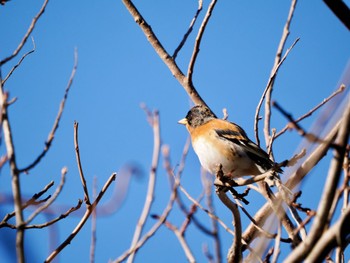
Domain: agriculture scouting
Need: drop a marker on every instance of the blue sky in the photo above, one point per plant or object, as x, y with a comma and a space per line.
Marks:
118, 70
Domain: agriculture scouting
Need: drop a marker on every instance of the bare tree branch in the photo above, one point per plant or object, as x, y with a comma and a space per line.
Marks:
80, 168
337, 235
183, 41
271, 79
15, 181
51, 200
310, 112
320, 221
25, 38
19, 63
57, 120
235, 252
83, 220
285, 34
151, 183
198, 41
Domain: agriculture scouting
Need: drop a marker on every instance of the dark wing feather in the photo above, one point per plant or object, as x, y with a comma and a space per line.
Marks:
239, 137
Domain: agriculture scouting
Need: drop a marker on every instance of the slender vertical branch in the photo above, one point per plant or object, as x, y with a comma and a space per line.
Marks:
154, 121
235, 252
16, 187
272, 77
198, 40
267, 123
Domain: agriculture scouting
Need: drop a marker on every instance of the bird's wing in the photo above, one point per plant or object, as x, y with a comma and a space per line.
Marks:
236, 135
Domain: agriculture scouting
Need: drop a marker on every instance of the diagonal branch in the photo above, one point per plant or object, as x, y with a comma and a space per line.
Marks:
57, 120
198, 40
184, 39
26, 36
280, 48
83, 220
163, 54
19, 63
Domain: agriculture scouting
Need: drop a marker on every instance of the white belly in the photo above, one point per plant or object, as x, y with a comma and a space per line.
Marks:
236, 164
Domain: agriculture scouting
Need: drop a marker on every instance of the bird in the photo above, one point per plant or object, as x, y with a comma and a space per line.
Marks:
221, 143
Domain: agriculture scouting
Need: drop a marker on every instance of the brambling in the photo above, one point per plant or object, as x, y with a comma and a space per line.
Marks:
222, 143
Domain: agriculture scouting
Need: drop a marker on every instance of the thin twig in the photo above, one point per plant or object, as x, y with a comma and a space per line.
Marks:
184, 39
309, 136
341, 89
53, 221
181, 237
285, 34
83, 220
52, 133
51, 200
151, 184
210, 214
25, 38
93, 224
80, 168
198, 40
19, 63
272, 77
31, 201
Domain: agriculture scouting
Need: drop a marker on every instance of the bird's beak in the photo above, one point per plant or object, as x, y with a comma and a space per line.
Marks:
183, 121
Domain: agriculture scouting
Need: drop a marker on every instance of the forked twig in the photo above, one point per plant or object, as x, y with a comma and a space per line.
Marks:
199, 39
184, 39
285, 34
80, 168
25, 38
19, 63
